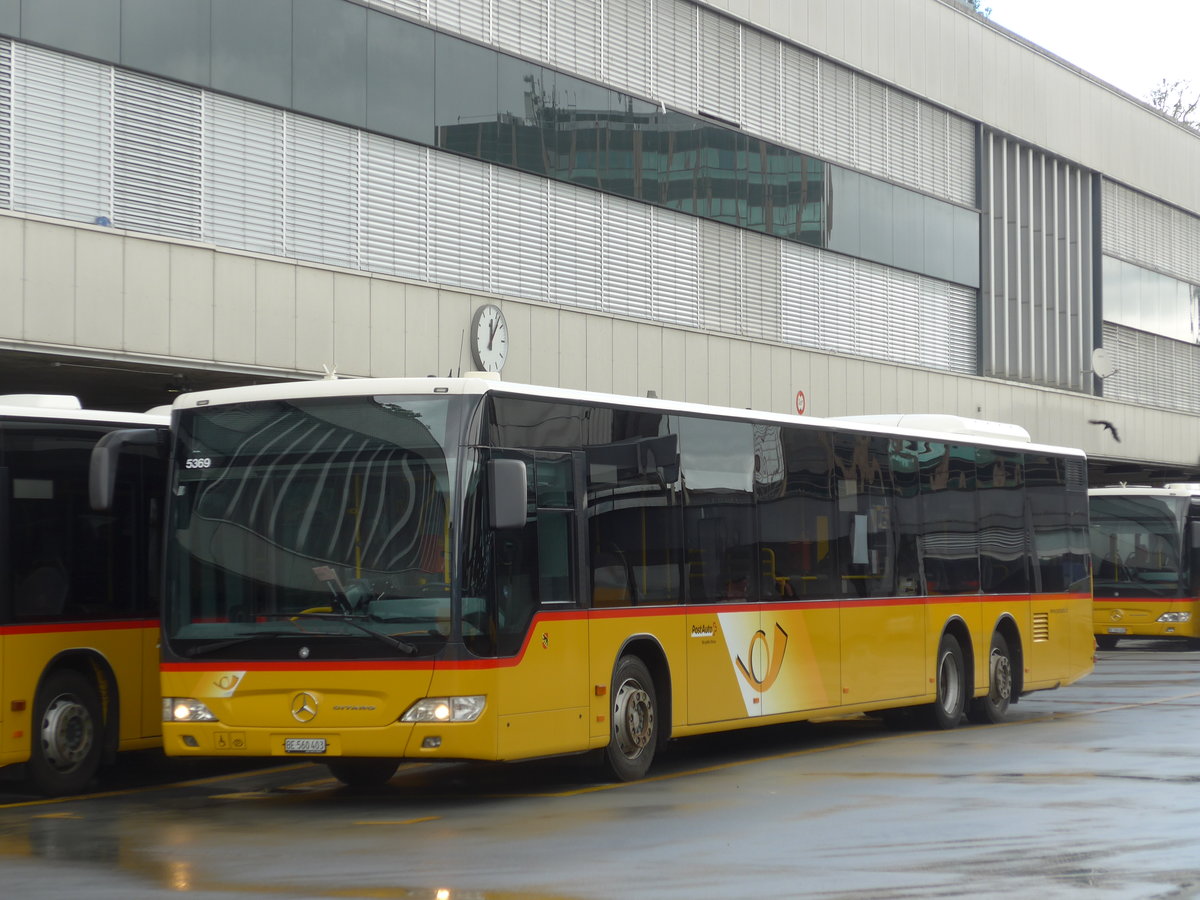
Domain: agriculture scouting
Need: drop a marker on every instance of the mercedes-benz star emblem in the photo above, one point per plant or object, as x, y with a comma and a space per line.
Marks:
304, 707
1117, 615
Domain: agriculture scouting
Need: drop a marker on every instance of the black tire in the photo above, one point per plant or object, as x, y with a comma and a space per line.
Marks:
634, 736
993, 706
1107, 641
67, 731
363, 772
950, 676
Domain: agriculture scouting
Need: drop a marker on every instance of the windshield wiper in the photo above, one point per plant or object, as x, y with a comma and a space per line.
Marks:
395, 643
214, 646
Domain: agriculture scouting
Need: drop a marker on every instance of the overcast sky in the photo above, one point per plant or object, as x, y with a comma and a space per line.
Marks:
1132, 44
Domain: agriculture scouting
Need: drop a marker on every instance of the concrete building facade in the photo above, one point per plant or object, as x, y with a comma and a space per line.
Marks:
858, 206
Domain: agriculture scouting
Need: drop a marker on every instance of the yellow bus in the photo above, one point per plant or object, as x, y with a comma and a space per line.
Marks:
366, 571
79, 590
1146, 562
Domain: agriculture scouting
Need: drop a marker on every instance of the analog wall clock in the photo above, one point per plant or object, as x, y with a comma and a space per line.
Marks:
489, 338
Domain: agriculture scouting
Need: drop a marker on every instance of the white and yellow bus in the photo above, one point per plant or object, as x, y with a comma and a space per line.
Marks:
1146, 562
79, 589
365, 571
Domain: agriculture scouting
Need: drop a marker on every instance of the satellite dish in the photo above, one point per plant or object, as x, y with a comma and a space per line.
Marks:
1103, 363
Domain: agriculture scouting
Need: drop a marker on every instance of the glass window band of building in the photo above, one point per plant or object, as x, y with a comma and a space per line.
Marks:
1146, 300
362, 67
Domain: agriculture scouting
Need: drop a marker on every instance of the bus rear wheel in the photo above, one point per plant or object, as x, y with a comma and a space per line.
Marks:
950, 678
65, 751
363, 772
993, 706
634, 721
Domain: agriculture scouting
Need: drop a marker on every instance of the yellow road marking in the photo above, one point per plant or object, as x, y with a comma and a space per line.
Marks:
397, 821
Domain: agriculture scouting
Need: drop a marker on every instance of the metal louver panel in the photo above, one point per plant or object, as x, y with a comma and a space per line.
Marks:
322, 191
394, 237
1152, 370
836, 127
5, 124
62, 127
838, 300
416, 9
626, 269
674, 68
760, 285
872, 125
762, 85
575, 30
800, 311
801, 104
838, 304
459, 221
157, 152
904, 138
720, 263
720, 86
959, 163
471, 18
520, 235
675, 279
523, 27
575, 246
244, 174
1142, 230
1037, 294
626, 41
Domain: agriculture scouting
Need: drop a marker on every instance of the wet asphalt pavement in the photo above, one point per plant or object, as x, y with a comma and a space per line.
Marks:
1088, 791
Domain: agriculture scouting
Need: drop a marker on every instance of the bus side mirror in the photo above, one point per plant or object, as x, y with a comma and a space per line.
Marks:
507, 492
106, 456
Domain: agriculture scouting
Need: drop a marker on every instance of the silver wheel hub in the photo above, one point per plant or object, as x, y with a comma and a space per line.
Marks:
1001, 677
67, 733
633, 718
949, 682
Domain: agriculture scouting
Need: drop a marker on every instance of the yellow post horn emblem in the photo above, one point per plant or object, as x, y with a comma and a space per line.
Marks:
774, 659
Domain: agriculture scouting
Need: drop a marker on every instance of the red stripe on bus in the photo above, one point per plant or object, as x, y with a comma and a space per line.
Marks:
573, 615
62, 627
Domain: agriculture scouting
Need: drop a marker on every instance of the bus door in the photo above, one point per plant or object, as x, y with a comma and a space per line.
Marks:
727, 652
543, 700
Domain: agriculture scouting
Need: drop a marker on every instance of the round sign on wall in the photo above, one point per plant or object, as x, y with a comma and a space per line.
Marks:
800, 403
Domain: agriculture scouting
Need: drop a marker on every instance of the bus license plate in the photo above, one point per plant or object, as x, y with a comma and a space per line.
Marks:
1116, 630
304, 745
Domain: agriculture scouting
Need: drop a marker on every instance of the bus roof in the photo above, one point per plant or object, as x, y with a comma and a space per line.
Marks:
65, 408
1142, 490
931, 427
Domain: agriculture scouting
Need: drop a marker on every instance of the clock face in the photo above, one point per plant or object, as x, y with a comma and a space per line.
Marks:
489, 338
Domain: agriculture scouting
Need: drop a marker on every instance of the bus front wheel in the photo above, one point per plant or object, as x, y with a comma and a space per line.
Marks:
363, 772
1107, 641
634, 721
65, 751
993, 706
949, 675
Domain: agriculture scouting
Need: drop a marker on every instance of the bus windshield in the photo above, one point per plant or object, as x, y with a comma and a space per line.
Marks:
1137, 541
313, 527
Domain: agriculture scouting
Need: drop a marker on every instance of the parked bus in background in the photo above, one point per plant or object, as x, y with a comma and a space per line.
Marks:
1146, 562
364, 571
79, 591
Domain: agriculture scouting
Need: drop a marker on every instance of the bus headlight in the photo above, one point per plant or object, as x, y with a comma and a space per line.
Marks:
445, 709
1175, 617
185, 709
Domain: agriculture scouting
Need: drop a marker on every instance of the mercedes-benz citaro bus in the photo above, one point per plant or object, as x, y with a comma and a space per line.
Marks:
1146, 560
361, 572
79, 589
